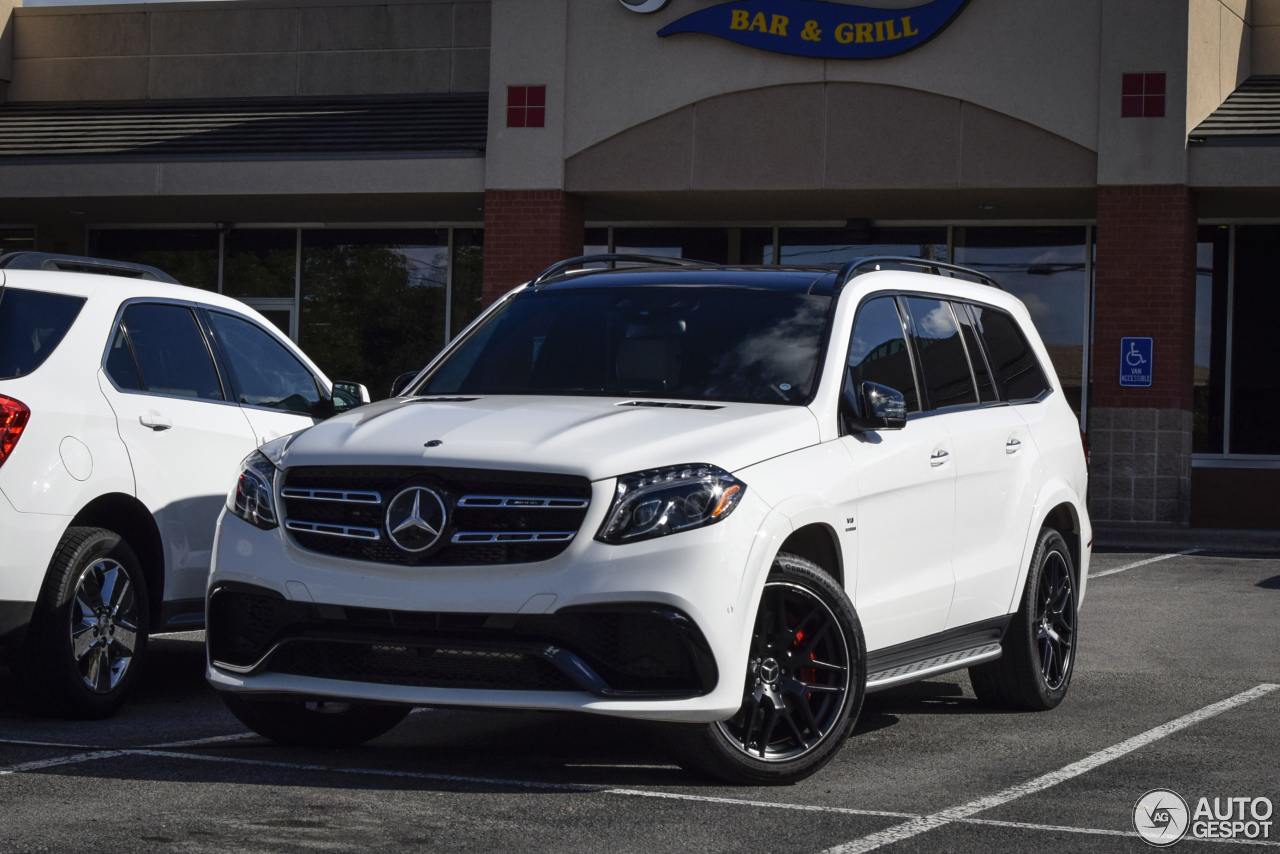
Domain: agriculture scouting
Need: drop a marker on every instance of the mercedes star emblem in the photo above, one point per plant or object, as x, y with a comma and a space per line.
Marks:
416, 518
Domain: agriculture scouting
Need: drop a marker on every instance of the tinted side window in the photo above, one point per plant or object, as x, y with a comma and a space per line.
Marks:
878, 350
32, 324
986, 390
266, 373
121, 367
171, 351
943, 363
1012, 359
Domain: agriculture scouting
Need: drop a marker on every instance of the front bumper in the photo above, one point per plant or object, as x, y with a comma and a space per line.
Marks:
437, 635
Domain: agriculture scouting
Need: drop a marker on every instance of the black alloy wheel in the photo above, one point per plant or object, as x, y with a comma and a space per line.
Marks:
1056, 621
797, 679
1039, 647
803, 685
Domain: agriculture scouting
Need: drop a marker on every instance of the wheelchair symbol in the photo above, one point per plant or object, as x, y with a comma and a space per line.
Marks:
1133, 358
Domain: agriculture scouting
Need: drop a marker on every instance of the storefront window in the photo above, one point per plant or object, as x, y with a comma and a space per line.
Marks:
1209, 392
16, 240
1045, 268
373, 301
837, 245
468, 278
260, 262
1255, 361
189, 255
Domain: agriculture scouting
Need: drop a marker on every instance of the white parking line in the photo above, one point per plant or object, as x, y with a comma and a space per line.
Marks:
41, 764
645, 793
1136, 564
217, 739
21, 743
924, 824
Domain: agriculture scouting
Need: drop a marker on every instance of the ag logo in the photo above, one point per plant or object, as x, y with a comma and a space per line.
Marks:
416, 518
1161, 817
644, 7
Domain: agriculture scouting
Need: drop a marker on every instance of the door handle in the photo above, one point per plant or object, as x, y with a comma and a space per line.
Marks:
1012, 446
939, 457
155, 421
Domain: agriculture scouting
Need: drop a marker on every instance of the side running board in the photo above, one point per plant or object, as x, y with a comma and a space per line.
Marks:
941, 653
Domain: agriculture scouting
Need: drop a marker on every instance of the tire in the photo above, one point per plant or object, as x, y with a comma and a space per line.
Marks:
1034, 671
87, 642
302, 723
780, 692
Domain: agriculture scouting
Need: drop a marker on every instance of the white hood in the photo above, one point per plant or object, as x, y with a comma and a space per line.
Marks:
589, 436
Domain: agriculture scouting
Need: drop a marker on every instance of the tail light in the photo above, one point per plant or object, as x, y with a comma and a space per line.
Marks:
13, 420
1084, 441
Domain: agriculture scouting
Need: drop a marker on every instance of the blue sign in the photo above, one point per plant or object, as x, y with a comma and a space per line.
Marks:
1135, 362
819, 28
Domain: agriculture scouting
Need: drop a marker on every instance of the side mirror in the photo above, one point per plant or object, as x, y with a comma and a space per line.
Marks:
871, 406
402, 382
349, 395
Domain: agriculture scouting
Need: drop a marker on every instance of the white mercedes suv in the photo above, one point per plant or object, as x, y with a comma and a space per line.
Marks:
733, 499
126, 405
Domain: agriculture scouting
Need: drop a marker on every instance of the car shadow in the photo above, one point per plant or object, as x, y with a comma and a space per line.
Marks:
1272, 583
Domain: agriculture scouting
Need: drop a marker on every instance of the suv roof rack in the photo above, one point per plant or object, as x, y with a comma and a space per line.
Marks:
612, 258
82, 264
850, 269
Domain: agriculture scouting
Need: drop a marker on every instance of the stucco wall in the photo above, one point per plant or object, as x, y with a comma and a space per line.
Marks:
1265, 15
220, 50
1219, 43
1037, 62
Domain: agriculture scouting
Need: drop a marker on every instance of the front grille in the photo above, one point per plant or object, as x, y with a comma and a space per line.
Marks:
494, 517
624, 649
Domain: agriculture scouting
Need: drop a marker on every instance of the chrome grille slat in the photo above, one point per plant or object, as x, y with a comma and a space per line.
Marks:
467, 537
333, 495
350, 532
530, 502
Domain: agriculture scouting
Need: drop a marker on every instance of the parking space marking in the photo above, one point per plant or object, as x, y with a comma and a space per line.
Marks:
20, 743
41, 764
217, 739
645, 793
1139, 563
924, 824
1095, 831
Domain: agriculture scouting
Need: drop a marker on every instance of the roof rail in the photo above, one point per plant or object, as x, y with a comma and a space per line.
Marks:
612, 258
81, 264
850, 269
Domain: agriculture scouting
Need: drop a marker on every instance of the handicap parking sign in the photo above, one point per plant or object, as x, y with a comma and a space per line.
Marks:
1135, 362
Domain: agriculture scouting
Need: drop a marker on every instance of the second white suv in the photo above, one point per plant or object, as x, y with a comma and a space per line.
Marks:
127, 403
730, 498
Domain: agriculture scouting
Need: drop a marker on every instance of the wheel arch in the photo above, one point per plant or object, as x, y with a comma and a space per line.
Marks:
818, 542
1058, 507
129, 517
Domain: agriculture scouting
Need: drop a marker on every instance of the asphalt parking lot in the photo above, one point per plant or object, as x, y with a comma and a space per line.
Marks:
1175, 687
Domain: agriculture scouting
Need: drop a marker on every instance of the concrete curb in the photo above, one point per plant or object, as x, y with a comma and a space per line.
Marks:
1165, 540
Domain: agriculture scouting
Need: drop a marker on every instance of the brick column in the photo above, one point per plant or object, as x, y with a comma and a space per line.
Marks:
1145, 286
526, 231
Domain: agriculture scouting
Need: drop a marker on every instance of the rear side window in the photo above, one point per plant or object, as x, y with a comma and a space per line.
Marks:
986, 389
878, 350
944, 366
32, 325
266, 373
1012, 359
172, 356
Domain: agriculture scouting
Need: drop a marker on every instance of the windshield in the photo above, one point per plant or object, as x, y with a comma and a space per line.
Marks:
32, 324
689, 343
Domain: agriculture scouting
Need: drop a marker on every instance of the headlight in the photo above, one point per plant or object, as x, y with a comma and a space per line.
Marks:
665, 501
254, 499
